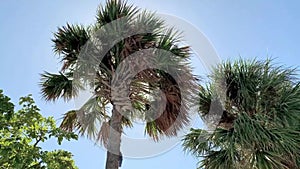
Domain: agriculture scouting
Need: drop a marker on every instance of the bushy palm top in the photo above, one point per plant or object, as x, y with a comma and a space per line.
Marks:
69, 42
255, 109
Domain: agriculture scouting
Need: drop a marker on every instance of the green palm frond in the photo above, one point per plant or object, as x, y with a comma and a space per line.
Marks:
197, 142
219, 159
114, 9
265, 159
68, 41
168, 40
153, 130
126, 122
70, 121
91, 116
148, 21
205, 100
59, 85
89, 121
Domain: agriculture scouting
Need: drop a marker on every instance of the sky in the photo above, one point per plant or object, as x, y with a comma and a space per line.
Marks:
236, 29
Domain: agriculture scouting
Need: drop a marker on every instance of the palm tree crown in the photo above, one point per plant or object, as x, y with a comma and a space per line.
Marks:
72, 40
254, 107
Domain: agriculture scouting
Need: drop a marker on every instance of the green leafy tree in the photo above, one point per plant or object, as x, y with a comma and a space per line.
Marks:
69, 42
255, 109
21, 132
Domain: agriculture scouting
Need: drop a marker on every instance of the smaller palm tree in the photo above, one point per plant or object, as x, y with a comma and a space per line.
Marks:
255, 109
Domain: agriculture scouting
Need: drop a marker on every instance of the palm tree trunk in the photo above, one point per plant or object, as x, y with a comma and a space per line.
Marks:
114, 140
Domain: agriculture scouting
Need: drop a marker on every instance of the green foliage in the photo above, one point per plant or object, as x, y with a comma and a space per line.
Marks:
20, 133
259, 121
57, 85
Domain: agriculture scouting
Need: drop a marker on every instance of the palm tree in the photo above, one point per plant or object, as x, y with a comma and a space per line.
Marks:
93, 119
255, 109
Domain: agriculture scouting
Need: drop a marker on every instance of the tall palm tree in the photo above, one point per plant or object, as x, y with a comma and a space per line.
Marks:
93, 119
255, 109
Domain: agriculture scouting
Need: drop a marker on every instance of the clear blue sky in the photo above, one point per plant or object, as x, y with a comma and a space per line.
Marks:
244, 29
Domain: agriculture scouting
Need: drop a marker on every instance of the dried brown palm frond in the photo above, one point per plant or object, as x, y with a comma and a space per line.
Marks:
103, 134
172, 112
175, 116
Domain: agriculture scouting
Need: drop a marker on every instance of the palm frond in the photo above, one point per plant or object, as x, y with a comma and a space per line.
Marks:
219, 159
114, 9
70, 121
103, 134
197, 142
68, 41
55, 86
91, 116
